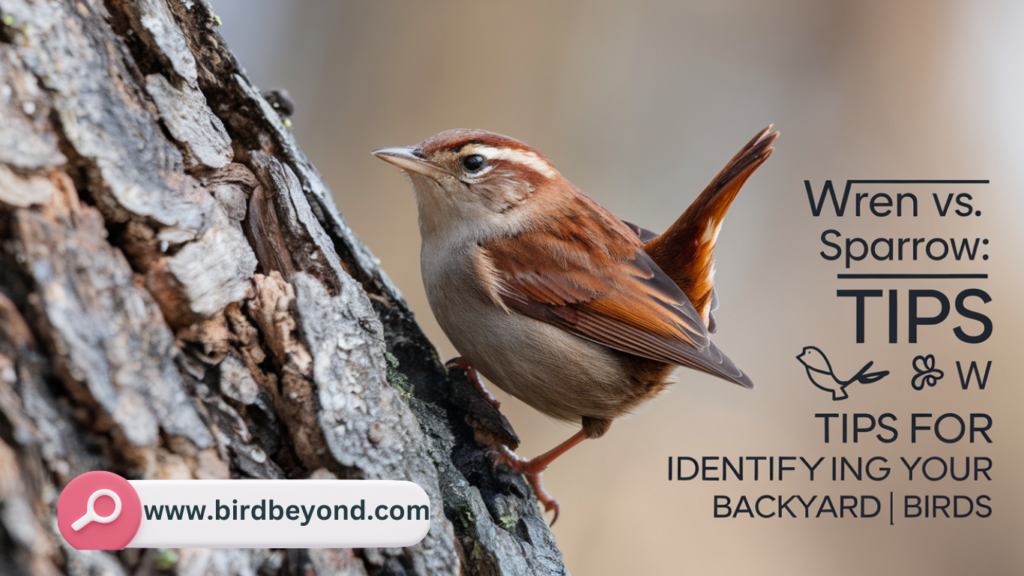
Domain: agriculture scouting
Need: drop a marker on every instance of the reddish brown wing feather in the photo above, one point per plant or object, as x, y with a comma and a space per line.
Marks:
594, 280
685, 250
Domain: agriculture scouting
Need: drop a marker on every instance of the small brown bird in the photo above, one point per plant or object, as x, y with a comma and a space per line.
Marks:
550, 296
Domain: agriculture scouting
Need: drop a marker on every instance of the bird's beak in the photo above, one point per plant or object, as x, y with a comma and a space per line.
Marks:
411, 159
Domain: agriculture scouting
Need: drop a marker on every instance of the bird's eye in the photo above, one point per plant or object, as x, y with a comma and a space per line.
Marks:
473, 162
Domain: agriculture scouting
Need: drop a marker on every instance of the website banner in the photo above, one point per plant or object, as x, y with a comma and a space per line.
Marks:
100, 510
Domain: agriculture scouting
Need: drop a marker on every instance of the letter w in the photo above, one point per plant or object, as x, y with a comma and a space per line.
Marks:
840, 207
175, 513
973, 370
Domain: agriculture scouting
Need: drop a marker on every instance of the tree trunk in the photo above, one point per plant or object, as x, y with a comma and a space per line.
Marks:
180, 298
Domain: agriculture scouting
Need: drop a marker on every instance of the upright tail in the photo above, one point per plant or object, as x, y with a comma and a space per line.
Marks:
684, 251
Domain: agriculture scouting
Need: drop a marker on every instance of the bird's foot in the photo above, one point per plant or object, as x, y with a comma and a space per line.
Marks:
533, 470
474, 378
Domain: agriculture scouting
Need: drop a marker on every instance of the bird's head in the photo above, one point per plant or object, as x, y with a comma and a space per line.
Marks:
813, 358
474, 182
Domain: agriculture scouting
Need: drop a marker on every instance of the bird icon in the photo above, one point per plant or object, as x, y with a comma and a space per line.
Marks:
819, 371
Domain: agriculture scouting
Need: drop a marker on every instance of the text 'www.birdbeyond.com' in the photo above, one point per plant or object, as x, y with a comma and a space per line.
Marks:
103, 511
271, 511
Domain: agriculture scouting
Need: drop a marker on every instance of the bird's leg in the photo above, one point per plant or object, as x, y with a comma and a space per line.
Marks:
533, 469
474, 378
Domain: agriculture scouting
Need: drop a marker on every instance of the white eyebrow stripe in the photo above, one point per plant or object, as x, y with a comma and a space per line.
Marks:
524, 157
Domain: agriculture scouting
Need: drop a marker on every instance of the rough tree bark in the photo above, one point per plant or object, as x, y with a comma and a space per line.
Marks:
180, 298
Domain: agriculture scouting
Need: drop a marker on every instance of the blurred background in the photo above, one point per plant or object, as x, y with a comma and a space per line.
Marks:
640, 104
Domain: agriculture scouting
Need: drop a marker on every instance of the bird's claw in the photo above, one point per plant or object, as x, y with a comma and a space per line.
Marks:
474, 378
533, 471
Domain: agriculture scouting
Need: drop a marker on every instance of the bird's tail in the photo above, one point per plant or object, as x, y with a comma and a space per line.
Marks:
864, 377
684, 251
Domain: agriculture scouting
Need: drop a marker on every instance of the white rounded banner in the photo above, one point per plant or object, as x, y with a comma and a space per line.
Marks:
280, 514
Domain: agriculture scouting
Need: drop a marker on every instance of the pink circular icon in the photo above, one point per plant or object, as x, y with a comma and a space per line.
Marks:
99, 511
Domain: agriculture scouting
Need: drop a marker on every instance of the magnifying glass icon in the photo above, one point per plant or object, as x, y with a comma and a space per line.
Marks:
90, 513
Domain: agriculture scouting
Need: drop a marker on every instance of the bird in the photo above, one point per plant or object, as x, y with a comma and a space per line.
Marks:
554, 299
819, 370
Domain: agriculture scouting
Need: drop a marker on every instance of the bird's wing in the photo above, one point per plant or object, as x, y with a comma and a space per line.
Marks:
712, 323
646, 236
584, 271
